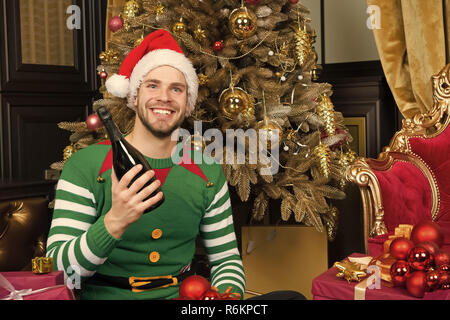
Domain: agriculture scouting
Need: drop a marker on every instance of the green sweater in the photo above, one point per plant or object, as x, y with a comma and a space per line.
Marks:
196, 201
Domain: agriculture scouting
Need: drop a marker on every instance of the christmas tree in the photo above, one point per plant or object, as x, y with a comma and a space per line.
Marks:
257, 69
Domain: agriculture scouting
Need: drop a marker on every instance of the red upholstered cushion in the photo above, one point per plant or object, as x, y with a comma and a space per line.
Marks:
436, 153
406, 195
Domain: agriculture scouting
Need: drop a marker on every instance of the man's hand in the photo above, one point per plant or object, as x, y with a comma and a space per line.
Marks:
127, 203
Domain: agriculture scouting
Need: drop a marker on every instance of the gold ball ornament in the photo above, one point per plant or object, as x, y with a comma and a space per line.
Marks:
270, 131
179, 27
197, 142
242, 23
234, 101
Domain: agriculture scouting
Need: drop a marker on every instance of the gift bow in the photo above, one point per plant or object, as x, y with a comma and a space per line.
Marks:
228, 295
19, 294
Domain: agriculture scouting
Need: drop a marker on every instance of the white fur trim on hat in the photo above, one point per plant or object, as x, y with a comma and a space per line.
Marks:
164, 57
118, 85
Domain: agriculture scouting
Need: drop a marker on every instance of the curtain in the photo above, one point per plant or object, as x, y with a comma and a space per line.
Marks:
412, 46
44, 33
114, 8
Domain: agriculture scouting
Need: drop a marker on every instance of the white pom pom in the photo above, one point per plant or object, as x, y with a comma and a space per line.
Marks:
118, 85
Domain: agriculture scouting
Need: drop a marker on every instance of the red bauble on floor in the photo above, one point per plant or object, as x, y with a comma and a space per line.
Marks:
420, 259
441, 258
194, 287
400, 248
427, 231
416, 284
400, 270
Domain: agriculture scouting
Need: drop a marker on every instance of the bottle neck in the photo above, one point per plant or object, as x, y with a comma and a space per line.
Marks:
113, 132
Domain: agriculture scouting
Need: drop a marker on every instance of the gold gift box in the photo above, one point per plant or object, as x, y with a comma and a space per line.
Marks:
42, 265
402, 231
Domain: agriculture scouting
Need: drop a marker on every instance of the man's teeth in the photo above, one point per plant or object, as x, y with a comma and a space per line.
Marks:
159, 111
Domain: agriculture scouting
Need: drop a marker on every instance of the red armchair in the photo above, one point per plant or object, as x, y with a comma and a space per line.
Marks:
410, 180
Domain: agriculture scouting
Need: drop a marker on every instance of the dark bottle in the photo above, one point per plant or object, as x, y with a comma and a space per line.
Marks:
125, 156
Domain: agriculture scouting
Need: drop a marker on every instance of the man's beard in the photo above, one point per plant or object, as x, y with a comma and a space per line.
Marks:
157, 132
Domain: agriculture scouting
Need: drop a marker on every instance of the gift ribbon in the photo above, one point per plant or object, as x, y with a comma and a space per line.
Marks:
19, 294
360, 290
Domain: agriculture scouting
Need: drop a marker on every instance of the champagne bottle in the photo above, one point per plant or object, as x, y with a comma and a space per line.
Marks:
125, 156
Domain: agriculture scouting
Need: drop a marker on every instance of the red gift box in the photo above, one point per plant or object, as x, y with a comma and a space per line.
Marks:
328, 287
30, 286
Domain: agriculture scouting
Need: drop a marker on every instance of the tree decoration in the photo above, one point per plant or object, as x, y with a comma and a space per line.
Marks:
325, 110
131, 10
322, 153
179, 27
268, 129
302, 44
268, 45
115, 23
69, 151
242, 22
199, 33
234, 101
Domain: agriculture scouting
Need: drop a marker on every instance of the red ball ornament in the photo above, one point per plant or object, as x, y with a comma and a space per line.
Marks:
400, 270
416, 284
293, 1
420, 259
444, 268
433, 277
93, 122
431, 247
103, 75
441, 258
427, 231
444, 280
252, 1
115, 23
218, 46
194, 287
400, 248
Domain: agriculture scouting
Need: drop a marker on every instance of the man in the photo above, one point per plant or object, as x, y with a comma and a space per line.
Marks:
98, 226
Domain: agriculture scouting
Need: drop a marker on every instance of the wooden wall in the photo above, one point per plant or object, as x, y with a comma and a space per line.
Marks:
35, 98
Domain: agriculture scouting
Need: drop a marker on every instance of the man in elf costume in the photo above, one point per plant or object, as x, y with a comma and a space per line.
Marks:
98, 222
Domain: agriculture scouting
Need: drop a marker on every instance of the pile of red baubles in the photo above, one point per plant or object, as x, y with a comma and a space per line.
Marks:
198, 288
421, 265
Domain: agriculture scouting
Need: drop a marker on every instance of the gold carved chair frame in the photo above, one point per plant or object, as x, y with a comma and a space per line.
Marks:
427, 126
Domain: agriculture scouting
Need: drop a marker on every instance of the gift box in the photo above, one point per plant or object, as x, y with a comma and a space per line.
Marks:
329, 287
29, 286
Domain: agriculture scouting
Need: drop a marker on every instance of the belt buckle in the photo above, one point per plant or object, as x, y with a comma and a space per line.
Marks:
136, 282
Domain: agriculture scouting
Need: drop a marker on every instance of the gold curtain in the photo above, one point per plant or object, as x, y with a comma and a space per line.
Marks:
44, 33
114, 8
412, 47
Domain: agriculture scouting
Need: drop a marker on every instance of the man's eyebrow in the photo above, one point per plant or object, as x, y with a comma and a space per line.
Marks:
152, 80
179, 84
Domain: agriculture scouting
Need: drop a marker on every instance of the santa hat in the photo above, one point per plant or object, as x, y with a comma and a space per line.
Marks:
159, 48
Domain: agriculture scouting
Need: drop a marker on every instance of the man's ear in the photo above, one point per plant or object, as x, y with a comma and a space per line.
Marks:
135, 103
